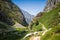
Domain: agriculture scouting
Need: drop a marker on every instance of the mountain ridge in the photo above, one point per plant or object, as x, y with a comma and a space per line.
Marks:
28, 17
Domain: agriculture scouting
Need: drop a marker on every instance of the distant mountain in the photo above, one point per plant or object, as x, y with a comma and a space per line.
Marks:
28, 16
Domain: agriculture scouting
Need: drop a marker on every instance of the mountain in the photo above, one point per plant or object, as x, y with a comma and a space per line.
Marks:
51, 4
28, 17
9, 13
45, 26
47, 23
11, 20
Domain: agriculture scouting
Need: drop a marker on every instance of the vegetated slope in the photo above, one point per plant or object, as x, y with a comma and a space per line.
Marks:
51, 20
28, 17
53, 34
9, 33
9, 13
35, 25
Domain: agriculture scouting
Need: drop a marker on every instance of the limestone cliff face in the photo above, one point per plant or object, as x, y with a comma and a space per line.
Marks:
51, 4
28, 16
9, 13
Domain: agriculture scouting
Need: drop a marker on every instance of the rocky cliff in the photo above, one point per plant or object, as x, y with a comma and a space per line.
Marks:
51, 4
11, 19
28, 16
9, 13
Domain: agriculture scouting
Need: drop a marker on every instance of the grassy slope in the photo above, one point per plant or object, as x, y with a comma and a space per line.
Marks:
53, 34
50, 19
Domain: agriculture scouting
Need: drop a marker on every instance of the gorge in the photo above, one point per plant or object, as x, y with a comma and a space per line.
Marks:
17, 24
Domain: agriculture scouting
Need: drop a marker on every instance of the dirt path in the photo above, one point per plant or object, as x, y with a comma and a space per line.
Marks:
35, 33
35, 38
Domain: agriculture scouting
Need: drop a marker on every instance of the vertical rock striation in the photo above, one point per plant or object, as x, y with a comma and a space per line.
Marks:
51, 4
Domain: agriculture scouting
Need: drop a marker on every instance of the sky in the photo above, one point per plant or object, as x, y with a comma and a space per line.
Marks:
31, 6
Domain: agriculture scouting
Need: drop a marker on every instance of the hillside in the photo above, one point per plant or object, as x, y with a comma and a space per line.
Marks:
47, 24
49, 19
9, 13
10, 17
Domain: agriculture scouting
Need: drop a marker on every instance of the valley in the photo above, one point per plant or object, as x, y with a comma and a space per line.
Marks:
18, 24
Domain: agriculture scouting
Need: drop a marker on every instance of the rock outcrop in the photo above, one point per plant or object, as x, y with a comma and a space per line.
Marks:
9, 13
51, 4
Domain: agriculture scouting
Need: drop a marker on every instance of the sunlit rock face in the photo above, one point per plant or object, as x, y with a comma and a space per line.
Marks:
51, 4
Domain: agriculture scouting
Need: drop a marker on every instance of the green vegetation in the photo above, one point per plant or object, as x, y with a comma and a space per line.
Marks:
11, 34
53, 34
3, 25
36, 28
49, 19
9, 14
